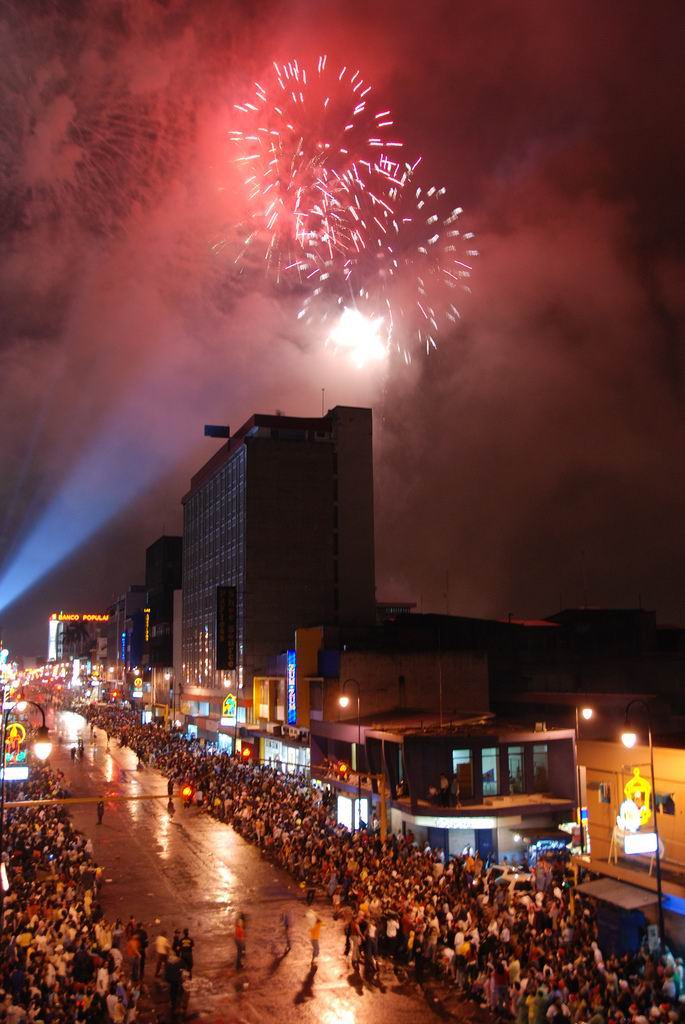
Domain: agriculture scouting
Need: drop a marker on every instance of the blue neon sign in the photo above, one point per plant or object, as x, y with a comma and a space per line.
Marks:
123, 646
291, 691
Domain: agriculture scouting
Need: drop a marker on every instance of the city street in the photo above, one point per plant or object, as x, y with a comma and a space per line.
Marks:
192, 871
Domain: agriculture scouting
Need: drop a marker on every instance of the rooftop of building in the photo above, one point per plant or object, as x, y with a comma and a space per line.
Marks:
403, 722
529, 623
261, 422
599, 632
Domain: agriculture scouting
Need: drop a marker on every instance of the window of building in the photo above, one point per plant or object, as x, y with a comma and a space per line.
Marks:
489, 765
515, 758
462, 767
540, 767
665, 804
604, 793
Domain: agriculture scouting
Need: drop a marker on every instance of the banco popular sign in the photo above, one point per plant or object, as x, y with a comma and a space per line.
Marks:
78, 617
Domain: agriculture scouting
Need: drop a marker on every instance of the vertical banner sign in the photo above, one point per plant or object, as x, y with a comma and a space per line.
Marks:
226, 628
290, 689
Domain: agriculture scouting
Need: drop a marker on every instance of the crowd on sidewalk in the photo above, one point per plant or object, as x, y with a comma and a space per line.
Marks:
534, 958
61, 960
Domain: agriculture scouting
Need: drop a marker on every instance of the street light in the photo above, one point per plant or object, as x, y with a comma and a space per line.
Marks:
629, 739
587, 714
42, 745
344, 702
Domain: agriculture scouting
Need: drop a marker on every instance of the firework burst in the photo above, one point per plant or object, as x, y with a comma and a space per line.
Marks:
408, 274
335, 208
313, 137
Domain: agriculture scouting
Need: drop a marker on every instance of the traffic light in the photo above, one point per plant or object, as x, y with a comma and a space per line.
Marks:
187, 793
246, 752
343, 769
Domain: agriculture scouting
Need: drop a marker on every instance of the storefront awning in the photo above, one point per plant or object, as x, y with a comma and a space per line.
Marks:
618, 894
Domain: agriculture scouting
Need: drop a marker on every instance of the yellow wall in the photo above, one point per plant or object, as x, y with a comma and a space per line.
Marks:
308, 642
612, 764
258, 682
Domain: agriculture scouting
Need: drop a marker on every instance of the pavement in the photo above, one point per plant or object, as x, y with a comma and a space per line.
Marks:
191, 871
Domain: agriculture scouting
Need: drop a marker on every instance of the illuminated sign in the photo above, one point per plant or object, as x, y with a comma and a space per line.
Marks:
636, 809
137, 688
15, 773
468, 823
123, 645
291, 688
15, 751
229, 709
640, 842
146, 613
78, 617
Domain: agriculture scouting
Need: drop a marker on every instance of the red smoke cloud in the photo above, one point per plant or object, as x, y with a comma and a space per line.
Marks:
544, 437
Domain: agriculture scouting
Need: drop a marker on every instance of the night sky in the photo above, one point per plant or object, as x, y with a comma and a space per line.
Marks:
536, 457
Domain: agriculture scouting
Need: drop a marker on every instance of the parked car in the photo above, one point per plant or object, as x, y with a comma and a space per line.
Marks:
520, 882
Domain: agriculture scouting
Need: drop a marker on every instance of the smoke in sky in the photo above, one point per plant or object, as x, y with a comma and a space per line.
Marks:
535, 457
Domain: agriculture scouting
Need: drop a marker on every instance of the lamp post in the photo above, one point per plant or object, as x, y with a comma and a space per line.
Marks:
587, 714
344, 701
42, 747
629, 739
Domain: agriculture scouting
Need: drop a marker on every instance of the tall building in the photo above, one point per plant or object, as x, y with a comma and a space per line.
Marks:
124, 642
278, 533
163, 568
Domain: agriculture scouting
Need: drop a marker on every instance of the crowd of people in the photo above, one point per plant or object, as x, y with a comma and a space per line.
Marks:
61, 960
534, 957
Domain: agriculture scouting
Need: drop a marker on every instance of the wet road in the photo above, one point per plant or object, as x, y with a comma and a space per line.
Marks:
192, 871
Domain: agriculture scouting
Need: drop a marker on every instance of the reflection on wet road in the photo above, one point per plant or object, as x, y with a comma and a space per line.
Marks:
192, 871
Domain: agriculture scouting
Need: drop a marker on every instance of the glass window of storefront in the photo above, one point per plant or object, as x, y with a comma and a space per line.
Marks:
516, 778
225, 743
540, 767
347, 807
285, 756
462, 768
489, 765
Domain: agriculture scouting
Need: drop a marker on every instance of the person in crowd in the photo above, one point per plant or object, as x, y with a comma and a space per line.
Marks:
162, 949
58, 961
534, 956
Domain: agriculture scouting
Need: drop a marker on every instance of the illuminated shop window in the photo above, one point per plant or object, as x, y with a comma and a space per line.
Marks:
515, 759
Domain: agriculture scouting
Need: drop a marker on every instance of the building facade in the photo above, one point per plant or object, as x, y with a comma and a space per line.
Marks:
125, 636
509, 790
163, 571
617, 777
278, 533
